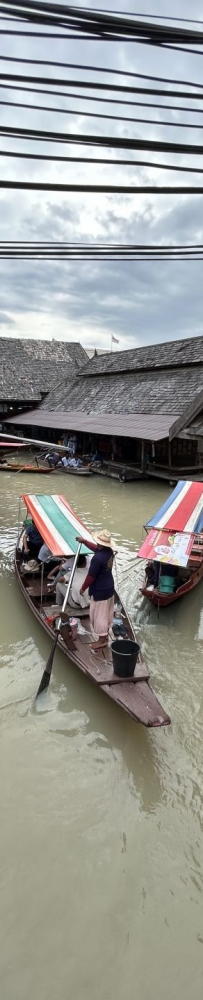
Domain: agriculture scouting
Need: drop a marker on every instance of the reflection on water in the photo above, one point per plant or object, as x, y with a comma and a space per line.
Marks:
101, 878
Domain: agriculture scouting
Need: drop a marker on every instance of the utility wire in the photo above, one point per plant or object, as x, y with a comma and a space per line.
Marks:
101, 23
97, 140
102, 69
101, 100
154, 17
98, 188
88, 85
95, 114
94, 159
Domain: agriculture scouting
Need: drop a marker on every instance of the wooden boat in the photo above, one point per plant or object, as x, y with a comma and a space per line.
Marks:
20, 467
175, 538
115, 470
85, 470
59, 527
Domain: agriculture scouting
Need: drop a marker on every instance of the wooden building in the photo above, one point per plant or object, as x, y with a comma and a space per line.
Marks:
134, 406
29, 369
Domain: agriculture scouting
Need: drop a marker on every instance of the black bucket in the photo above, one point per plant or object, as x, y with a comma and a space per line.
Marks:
125, 654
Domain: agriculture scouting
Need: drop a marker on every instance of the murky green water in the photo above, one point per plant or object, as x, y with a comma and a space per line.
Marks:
101, 821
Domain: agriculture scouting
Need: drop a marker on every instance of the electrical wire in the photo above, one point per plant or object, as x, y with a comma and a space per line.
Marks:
101, 23
101, 69
28, 250
101, 100
95, 114
88, 85
93, 159
97, 140
99, 188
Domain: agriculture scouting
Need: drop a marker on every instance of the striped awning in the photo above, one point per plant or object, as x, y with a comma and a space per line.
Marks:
182, 511
57, 523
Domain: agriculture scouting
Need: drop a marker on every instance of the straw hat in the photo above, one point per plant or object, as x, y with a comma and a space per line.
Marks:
104, 538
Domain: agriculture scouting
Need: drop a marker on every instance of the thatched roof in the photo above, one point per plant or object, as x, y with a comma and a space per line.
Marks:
30, 368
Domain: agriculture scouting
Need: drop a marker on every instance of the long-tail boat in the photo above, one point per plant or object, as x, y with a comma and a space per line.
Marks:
59, 526
175, 541
24, 467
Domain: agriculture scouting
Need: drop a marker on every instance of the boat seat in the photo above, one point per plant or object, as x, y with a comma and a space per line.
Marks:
35, 589
56, 608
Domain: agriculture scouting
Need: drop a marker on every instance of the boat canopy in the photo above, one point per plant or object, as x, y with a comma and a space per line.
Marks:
182, 511
57, 523
167, 547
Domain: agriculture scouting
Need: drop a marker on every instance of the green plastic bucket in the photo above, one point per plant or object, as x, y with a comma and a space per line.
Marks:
167, 584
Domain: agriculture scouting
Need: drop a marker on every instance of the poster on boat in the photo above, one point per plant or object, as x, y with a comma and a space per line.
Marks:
167, 547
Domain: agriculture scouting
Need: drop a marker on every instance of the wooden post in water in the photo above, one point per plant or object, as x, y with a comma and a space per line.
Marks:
142, 456
169, 456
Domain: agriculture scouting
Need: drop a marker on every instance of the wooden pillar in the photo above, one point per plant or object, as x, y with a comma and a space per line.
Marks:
169, 456
142, 456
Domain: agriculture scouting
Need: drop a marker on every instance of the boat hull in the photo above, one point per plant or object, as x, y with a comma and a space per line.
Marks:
134, 697
162, 600
19, 467
73, 472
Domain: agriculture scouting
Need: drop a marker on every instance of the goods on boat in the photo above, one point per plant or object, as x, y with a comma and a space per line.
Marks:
174, 543
59, 526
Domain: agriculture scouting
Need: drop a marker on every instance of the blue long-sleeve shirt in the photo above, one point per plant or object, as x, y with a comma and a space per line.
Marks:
100, 578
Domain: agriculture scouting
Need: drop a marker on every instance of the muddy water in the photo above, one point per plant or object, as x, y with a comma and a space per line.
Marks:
101, 881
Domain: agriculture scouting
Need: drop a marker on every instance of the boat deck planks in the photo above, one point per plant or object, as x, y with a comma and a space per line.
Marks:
137, 699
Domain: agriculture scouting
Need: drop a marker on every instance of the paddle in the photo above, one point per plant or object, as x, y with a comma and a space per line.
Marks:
44, 683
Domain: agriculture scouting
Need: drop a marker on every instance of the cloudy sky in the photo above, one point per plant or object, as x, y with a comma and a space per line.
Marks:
137, 302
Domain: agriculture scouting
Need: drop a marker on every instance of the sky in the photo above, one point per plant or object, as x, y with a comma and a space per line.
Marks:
137, 302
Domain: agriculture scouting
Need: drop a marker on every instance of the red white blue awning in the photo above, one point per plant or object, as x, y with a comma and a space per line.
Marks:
182, 511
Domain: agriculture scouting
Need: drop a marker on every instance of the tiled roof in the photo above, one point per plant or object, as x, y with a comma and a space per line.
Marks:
176, 352
135, 425
29, 368
147, 392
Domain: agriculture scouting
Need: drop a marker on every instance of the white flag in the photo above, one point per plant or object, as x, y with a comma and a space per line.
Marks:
114, 340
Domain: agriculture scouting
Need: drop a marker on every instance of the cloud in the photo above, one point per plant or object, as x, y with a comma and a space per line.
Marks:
142, 302
6, 319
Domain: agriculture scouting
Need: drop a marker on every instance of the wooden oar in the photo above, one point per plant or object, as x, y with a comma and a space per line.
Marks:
44, 683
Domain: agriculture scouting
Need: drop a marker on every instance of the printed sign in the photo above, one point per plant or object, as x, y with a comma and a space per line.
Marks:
167, 547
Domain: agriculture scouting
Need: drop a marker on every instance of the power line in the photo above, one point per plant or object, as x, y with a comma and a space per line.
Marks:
32, 250
102, 100
94, 85
154, 17
93, 159
101, 24
97, 140
98, 188
101, 69
95, 114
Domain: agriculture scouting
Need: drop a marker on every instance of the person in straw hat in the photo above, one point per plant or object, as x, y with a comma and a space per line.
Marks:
100, 583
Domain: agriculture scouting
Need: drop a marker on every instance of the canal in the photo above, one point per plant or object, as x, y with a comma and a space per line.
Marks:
101, 820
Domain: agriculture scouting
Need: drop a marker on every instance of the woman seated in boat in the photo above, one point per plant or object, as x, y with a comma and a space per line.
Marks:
76, 598
31, 542
154, 571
